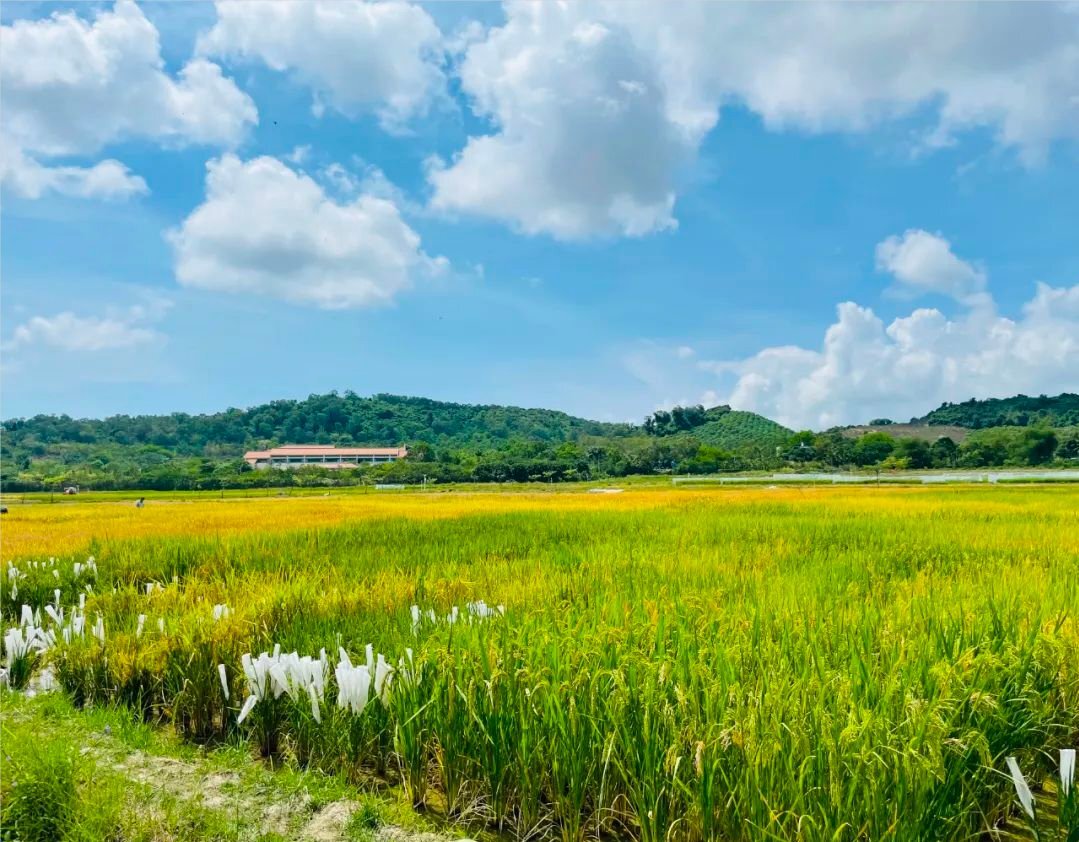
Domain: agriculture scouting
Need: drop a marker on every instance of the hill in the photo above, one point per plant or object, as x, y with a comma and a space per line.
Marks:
380, 420
718, 426
1019, 411
733, 430
449, 441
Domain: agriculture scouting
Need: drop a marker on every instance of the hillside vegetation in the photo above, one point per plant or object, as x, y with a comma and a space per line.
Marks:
1019, 411
451, 442
380, 420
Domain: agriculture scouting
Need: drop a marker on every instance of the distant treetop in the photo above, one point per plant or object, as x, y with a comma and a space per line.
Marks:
1019, 411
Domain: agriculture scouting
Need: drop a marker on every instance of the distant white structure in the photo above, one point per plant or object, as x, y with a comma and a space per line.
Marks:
323, 455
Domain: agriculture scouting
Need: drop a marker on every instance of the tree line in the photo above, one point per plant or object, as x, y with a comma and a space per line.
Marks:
519, 460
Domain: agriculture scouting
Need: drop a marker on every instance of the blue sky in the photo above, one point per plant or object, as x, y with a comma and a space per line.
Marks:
824, 214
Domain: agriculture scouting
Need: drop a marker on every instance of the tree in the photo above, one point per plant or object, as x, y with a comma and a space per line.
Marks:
915, 452
1069, 447
873, 448
1037, 446
420, 451
944, 452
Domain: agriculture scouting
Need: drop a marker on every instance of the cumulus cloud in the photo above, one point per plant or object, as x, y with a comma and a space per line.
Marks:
266, 229
583, 146
924, 262
72, 87
595, 107
356, 56
26, 177
867, 369
70, 332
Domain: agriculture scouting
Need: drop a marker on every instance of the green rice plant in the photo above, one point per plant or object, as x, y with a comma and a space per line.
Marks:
826, 664
410, 699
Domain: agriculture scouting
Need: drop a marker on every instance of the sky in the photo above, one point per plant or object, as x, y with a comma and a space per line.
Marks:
822, 213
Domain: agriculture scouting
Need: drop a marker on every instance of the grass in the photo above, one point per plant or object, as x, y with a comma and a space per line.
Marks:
728, 664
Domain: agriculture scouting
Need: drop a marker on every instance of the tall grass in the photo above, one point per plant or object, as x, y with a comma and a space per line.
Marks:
804, 664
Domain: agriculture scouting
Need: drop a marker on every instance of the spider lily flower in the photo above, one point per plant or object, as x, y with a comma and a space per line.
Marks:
1067, 770
224, 680
1022, 790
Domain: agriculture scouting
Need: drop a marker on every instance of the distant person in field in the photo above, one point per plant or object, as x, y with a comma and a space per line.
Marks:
140, 502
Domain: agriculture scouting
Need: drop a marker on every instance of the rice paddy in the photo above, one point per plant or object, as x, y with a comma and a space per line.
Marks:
719, 664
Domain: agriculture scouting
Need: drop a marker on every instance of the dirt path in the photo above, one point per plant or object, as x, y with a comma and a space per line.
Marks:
252, 797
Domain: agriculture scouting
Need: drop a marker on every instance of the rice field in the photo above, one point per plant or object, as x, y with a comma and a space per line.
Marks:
717, 664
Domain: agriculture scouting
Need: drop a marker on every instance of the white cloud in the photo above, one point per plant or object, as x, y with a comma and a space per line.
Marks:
70, 332
265, 229
865, 369
595, 106
583, 146
924, 262
356, 56
104, 180
72, 87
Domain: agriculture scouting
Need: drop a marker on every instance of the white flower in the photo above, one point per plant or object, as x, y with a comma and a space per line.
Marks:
1026, 797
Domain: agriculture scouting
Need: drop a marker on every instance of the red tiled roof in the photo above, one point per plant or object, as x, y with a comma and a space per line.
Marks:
325, 450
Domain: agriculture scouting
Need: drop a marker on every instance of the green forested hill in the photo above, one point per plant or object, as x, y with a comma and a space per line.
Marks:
381, 420
733, 430
1019, 411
